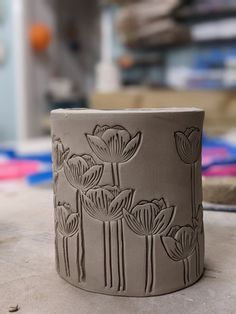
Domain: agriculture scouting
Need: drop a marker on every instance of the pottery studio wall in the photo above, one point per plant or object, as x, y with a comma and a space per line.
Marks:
7, 81
26, 75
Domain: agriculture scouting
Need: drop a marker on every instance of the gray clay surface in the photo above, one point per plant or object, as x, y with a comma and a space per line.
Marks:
128, 199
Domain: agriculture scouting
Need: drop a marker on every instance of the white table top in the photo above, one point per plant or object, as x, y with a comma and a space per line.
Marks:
28, 277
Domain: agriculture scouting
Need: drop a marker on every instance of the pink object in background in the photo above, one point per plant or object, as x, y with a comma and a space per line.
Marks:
218, 170
212, 154
16, 169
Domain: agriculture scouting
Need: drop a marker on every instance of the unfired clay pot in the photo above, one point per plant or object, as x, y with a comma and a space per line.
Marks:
128, 199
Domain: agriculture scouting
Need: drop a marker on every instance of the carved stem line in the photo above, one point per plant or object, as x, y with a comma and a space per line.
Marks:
56, 248
105, 253
149, 263
186, 271
56, 235
65, 254
193, 190
146, 263
80, 239
197, 258
152, 263
193, 196
115, 174
108, 280
110, 257
63, 247
121, 256
118, 254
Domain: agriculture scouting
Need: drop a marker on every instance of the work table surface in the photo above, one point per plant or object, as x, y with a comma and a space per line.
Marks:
28, 277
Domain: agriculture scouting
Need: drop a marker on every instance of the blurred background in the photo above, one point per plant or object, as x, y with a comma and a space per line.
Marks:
114, 54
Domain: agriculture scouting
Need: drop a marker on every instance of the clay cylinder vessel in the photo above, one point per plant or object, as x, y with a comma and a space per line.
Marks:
128, 199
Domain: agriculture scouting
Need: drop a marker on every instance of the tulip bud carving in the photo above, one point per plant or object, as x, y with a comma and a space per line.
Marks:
82, 173
148, 219
188, 145
113, 145
101, 196
59, 155
68, 224
106, 203
179, 244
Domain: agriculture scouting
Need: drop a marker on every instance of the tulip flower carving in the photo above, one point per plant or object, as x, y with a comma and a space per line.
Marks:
68, 223
59, 155
179, 245
198, 226
111, 205
188, 145
106, 203
113, 145
82, 173
148, 219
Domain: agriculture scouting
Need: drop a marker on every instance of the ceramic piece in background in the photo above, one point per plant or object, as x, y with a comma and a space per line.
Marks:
128, 199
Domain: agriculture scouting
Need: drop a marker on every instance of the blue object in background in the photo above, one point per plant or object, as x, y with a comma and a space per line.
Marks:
40, 178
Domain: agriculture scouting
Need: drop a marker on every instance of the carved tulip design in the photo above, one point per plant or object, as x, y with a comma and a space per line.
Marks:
188, 145
198, 225
67, 220
68, 223
106, 204
113, 145
82, 173
112, 206
147, 219
59, 155
179, 245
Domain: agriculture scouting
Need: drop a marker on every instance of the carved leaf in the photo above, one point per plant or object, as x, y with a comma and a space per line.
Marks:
132, 147
104, 204
82, 173
99, 130
160, 203
72, 224
183, 147
186, 236
59, 154
92, 176
116, 140
73, 178
113, 144
89, 207
99, 147
188, 144
120, 202
162, 221
133, 224
67, 222
172, 248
